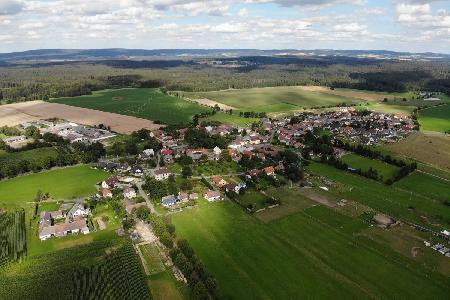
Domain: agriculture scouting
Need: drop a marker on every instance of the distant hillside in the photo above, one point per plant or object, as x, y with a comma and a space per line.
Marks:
96, 54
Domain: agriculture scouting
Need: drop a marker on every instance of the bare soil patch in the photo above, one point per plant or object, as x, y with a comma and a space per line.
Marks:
18, 113
351, 94
212, 103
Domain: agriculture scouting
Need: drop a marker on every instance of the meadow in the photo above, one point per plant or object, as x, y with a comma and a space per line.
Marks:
273, 99
33, 155
355, 161
435, 118
387, 199
151, 104
316, 253
233, 119
426, 185
66, 183
431, 148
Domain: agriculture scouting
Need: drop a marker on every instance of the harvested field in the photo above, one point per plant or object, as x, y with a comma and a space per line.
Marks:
15, 114
363, 95
432, 148
211, 103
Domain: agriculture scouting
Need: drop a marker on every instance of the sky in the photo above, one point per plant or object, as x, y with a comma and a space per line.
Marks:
399, 25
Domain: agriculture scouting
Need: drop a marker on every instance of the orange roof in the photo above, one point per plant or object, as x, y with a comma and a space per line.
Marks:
269, 170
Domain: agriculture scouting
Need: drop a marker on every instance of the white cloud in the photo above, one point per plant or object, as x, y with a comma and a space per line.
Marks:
10, 7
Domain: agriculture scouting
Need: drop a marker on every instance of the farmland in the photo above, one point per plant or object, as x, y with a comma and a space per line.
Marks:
355, 161
395, 202
300, 250
432, 148
276, 99
34, 155
150, 104
232, 119
13, 246
435, 118
64, 183
426, 185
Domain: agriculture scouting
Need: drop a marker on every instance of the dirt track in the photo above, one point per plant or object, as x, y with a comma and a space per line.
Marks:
212, 103
15, 114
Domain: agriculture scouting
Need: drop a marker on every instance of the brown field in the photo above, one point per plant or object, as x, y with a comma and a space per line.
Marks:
346, 93
211, 103
432, 148
15, 114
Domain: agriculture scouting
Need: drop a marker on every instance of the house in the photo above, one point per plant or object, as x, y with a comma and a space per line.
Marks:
253, 173
15, 139
110, 183
47, 230
106, 193
162, 173
213, 195
231, 187
137, 171
129, 193
147, 154
269, 171
78, 210
193, 196
217, 151
168, 201
219, 181
183, 197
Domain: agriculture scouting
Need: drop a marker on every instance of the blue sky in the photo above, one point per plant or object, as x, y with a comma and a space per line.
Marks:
401, 25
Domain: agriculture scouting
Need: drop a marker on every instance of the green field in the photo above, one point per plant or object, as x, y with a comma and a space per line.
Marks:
435, 118
34, 155
273, 99
395, 202
426, 185
64, 183
356, 161
314, 254
232, 119
13, 246
149, 104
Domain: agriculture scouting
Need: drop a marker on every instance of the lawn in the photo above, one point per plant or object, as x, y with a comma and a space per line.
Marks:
313, 254
355, 161
164, 286
233, 119
426, 185
431, 148
395, 202
151, 104
435, 119
272, 99
253, 197
63, 183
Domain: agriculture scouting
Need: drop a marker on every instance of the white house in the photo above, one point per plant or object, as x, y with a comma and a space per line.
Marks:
129, 193
213, 196
78, 210
162, 173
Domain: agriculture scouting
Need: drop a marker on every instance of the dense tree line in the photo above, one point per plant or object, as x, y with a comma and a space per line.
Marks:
199, 138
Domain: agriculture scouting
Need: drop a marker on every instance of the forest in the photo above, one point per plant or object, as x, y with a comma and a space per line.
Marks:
32, 80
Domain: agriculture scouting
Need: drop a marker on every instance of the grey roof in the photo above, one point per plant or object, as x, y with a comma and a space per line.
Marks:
168, 200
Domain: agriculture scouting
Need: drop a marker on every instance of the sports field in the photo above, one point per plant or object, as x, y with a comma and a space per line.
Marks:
355, 161
315, 254
63, 183
435, 119
387, 199
432, 148
273, 99
151, 104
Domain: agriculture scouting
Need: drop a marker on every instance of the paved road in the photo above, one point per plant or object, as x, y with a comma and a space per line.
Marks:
147, 200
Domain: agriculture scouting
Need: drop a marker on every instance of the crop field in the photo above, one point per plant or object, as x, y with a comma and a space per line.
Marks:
435, 118
355, 161
300, 251
151, 104
426, 185
152, 258
395, 202
66, 183
273, 99
432, 148
164, 286
120, 277
13, 245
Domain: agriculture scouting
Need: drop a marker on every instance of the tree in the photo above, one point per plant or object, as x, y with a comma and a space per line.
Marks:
186, 171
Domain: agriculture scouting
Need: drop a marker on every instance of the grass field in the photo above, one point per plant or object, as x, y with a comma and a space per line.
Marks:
355, 161
397, 203
34, 155
431, 148
435, 119
12, 236
149, 104
232, 119
274, 99
152, 258
426, 185
313, 254
63, 183
164, 286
